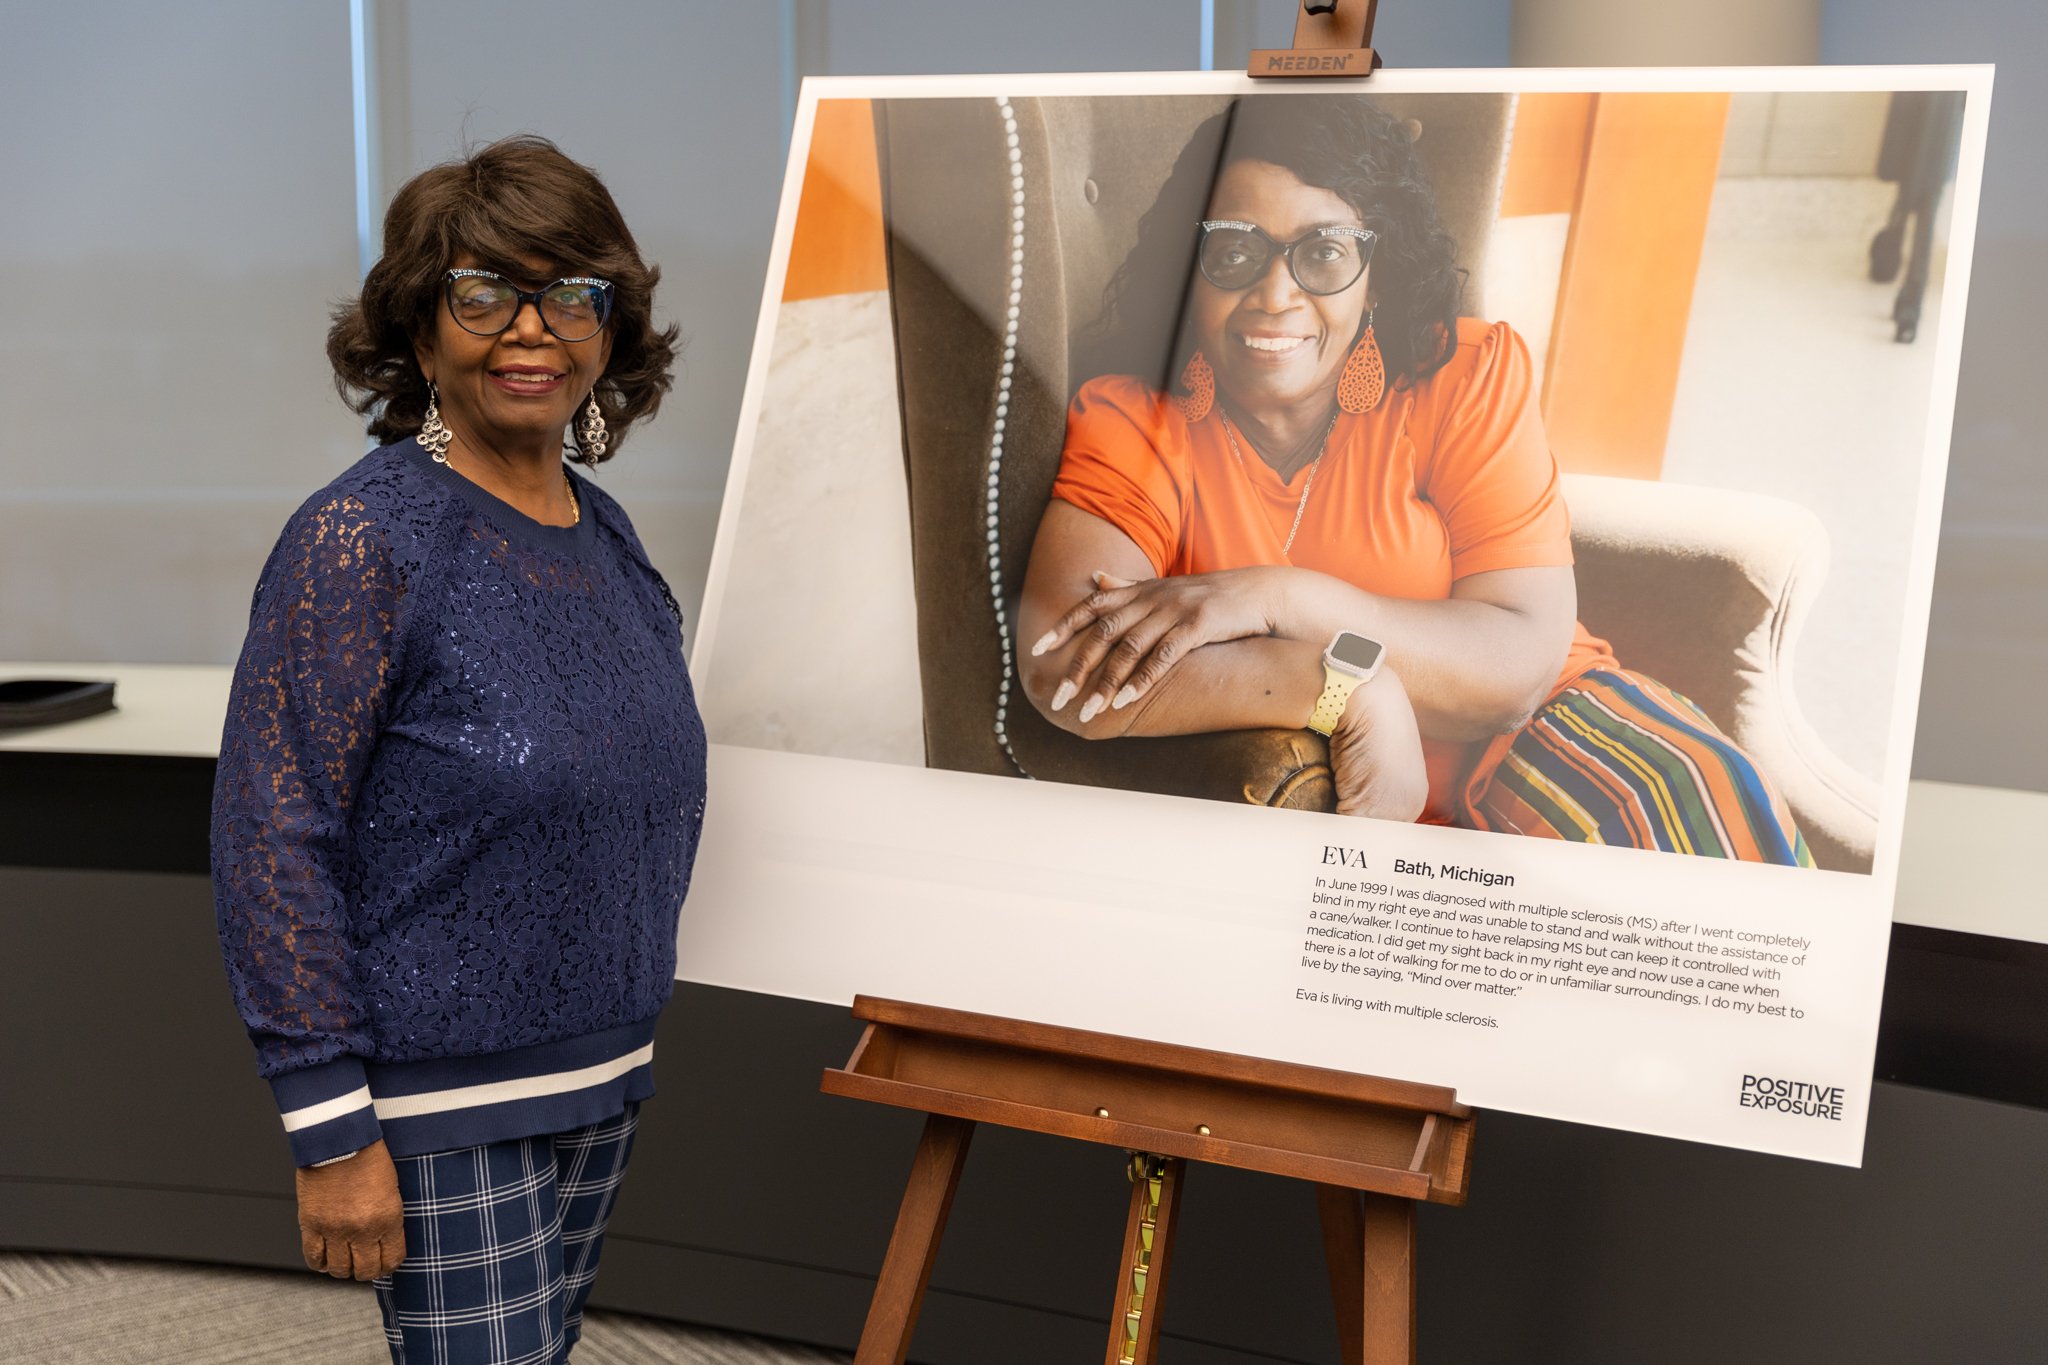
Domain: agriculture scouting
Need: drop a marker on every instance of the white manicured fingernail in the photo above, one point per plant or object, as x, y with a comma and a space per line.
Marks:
1091, 708
1064, 695
1097, 577
1124, 698
1044, 643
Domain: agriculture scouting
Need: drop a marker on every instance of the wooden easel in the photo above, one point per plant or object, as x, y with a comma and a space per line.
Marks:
1372, 1147
1331, 38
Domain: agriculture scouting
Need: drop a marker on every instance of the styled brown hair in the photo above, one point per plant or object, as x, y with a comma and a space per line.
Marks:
515, 199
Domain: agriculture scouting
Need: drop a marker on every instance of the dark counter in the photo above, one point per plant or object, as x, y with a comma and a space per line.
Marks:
136, 1126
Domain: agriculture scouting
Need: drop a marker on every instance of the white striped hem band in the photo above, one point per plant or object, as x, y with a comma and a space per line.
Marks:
327, 1109
520, 1088
467, 1096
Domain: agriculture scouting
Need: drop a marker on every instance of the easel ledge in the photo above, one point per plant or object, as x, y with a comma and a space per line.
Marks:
1332, 1127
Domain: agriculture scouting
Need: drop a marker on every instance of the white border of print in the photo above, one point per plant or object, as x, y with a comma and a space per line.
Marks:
1181, 920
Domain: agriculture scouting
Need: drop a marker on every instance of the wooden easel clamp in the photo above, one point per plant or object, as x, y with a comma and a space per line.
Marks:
1331, 38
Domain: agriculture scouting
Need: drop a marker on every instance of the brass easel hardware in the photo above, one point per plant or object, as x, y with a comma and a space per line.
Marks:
1148, 1171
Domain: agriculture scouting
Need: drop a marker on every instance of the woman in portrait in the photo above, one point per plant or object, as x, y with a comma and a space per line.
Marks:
1336, 509
462, 778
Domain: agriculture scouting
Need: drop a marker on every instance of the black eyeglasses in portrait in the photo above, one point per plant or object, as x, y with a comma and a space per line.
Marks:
1325, 260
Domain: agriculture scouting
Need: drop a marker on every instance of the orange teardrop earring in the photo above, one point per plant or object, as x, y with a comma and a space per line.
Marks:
1199, 384
1364, 381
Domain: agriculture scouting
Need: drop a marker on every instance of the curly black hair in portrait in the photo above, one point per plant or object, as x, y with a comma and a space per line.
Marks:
508, 201
1343, 143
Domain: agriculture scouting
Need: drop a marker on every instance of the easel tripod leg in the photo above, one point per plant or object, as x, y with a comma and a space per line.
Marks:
920, 1221
1389, 1280
1344, 1254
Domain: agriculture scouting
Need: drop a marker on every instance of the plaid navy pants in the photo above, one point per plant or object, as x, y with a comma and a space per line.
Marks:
501, 1246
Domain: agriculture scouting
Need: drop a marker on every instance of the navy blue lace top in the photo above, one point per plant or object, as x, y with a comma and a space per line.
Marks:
460, 790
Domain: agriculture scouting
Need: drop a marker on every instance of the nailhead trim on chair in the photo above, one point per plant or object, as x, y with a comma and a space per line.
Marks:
1507, 147
995, 444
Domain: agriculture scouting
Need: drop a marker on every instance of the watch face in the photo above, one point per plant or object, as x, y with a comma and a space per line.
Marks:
1355, 652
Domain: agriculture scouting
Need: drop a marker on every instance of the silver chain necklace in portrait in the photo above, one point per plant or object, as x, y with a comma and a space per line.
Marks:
1302, 506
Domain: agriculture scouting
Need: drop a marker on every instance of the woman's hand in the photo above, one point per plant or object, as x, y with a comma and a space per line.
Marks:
1130, 634
351, 1219
1376, 753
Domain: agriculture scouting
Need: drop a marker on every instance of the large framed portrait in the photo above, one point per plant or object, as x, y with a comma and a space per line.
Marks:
1424, 576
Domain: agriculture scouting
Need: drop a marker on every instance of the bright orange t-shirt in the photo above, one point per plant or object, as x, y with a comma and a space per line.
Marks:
1448, 477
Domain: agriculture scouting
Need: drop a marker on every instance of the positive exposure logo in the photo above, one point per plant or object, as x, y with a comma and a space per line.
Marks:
1803, 1098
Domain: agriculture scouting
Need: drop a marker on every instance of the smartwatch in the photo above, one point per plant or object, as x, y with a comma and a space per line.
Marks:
1349, 662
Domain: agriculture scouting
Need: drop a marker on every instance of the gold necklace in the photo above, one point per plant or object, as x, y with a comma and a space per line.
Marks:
1301, 506
440, 455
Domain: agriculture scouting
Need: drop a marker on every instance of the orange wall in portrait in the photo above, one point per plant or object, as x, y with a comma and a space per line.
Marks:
1636, 173
1624, 301
837, 244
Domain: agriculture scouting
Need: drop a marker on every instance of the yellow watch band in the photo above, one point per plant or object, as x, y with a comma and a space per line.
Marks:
1337, 689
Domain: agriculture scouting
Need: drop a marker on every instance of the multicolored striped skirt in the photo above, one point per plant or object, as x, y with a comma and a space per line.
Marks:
1616, 758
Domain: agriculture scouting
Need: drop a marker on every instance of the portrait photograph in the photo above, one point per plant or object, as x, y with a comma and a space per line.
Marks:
1630, 414
1525, 484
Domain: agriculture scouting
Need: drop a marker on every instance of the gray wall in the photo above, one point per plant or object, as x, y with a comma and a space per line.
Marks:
1987, 647
178, 211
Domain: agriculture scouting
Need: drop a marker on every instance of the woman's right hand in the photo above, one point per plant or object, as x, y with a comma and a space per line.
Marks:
1129, 633
351, 1218
1376, 753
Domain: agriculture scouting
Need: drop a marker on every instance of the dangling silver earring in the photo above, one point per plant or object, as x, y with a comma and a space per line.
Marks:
591, 435
434, 437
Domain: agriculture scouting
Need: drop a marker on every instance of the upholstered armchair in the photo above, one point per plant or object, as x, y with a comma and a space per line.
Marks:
1707, 590
1005, 221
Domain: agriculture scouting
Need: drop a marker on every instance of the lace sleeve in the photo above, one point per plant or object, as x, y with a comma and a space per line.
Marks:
308, 700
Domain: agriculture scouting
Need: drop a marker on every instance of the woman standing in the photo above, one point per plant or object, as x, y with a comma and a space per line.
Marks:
462, 779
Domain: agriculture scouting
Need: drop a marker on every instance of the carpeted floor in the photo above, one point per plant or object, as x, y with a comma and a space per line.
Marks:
80, 1310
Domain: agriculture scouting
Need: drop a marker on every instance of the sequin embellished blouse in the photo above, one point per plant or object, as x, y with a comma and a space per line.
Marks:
459, 794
